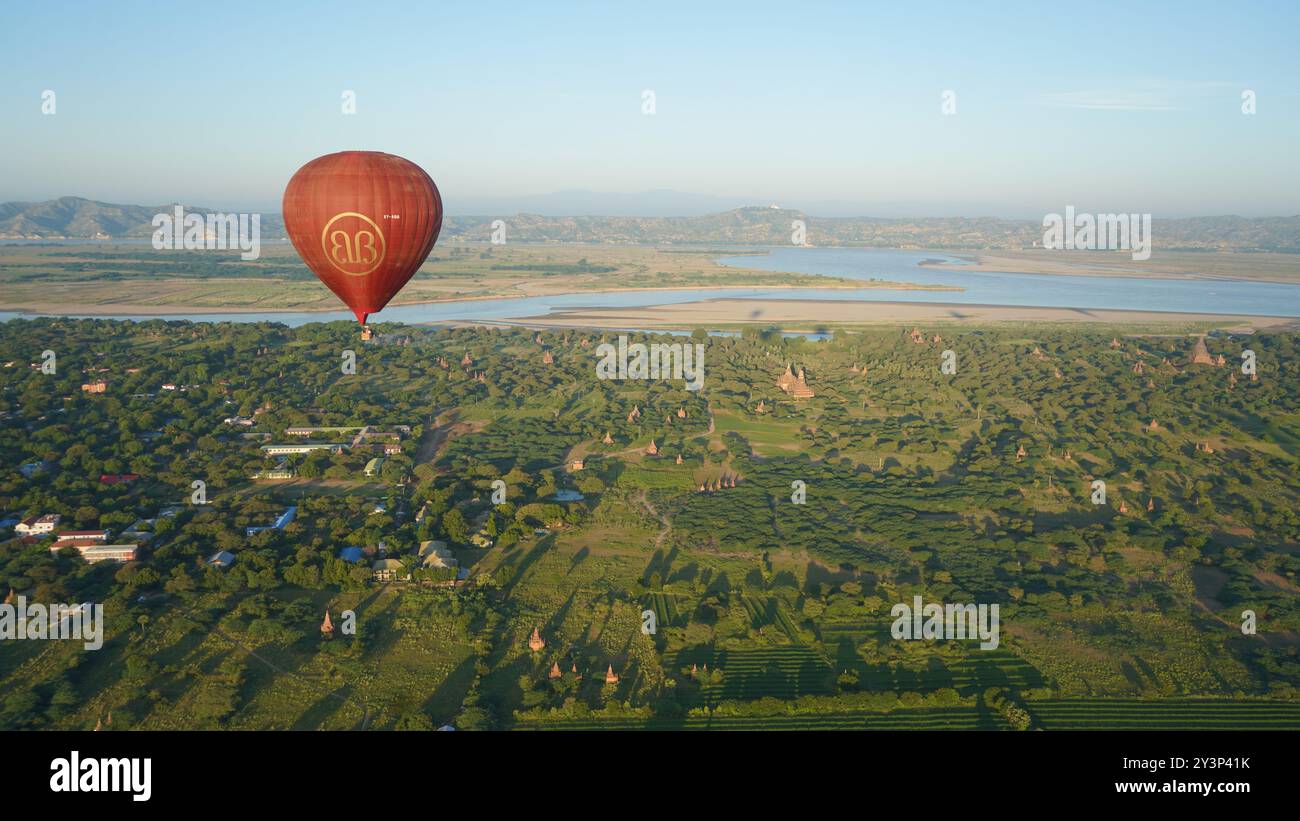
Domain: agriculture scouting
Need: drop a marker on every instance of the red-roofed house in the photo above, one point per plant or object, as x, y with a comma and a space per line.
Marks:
38, 525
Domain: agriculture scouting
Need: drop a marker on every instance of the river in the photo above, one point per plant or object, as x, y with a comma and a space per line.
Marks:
1214, 296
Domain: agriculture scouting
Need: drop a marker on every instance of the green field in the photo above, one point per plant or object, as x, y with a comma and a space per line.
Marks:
936, 719
1165, 714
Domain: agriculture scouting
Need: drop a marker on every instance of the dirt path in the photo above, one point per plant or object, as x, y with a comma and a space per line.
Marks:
644, 499
434, 434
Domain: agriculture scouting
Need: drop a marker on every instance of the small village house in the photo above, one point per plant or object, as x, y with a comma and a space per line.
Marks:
38, 525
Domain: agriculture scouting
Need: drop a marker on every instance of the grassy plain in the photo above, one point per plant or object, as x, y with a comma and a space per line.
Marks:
136, 279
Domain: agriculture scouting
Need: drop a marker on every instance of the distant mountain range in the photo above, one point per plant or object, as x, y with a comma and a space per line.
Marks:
78, 218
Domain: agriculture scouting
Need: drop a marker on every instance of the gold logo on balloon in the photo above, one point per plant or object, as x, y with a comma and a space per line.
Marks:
353, 243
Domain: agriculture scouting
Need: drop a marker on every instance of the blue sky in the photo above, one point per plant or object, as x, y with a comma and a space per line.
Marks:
825, 106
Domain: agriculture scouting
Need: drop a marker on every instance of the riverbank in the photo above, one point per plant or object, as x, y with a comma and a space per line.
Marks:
807, 285
330, 303
138, 281
809, 315
1177, 265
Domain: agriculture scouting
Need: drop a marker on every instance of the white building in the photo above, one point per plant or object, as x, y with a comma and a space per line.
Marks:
287, 450
83, 535
38, 525
95, 552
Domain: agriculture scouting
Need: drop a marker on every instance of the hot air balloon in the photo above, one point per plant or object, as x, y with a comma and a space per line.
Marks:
363, 221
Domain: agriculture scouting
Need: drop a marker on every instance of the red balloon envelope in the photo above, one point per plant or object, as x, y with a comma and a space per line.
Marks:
363, 221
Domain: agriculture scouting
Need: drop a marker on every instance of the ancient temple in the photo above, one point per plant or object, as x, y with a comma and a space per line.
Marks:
1151, 504
607, 440
535, 641
555, 671
785, 380
466, 361
635, 413
610, 676
547, 359
679, 458
652, 449
1020, 453
1114, 344
796, 386
1154, 425
327, 626
801, 389
761, 407
1201, 354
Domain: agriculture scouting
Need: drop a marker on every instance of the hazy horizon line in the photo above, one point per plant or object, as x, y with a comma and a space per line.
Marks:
700, 211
